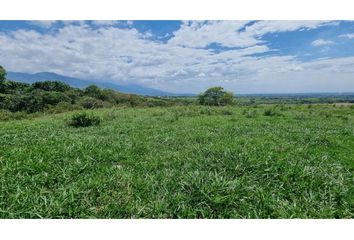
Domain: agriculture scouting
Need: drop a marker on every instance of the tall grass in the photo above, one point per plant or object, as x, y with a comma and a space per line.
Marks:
181, 162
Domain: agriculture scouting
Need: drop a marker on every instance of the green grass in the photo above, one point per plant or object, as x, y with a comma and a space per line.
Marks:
181, 162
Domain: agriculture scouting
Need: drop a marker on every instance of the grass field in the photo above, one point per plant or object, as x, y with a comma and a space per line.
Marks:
265, 161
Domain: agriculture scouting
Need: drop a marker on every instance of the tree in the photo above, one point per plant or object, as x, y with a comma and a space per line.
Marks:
216, 96
51, 86
2, 74
2, 78
95, 92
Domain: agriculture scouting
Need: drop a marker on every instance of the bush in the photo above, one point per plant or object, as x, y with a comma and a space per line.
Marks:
90, 103
63, 107
84, 120
226, 112
270, 112
54, 98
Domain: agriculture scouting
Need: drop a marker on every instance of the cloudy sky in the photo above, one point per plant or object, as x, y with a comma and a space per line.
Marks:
188, 56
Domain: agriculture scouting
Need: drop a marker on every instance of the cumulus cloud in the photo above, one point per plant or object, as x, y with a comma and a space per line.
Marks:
235, 33
321, 42
201, 34
183, 64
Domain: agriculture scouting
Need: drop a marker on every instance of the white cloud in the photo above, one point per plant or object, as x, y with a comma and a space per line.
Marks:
264, 27
349, 35
200, 34
102, 23
235, 33
182, 64
44, 23
321, 42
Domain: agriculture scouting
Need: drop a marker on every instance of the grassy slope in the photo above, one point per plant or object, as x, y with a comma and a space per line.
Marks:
181, 162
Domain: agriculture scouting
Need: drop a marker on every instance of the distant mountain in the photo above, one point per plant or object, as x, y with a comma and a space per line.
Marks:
79, 83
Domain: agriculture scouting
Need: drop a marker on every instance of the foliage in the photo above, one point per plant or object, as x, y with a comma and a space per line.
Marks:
95, 92
10, 87
45, 96
216, 96
90, 103
51, 86
84, 120
2, 74
269, 112
2, 78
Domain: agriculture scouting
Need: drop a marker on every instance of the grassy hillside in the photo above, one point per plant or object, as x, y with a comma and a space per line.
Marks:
284, 161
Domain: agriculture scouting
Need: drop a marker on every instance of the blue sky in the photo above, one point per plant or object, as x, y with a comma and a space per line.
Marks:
188, 56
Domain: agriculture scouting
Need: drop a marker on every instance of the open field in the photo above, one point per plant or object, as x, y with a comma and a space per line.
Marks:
273, 161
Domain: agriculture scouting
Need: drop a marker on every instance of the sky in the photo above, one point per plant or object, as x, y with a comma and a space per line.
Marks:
188, 56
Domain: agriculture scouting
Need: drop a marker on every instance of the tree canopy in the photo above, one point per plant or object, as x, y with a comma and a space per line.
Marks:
2, 74
216, 96
51, 86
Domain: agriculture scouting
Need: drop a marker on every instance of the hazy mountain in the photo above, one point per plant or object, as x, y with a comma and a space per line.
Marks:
79, 83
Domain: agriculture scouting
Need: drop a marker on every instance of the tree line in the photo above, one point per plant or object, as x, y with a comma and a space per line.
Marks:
58, 97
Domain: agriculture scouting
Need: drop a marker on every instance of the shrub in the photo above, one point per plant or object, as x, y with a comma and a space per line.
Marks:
53, 98
226, 112
325, 114
13, 103
84, 120
267, 112
90, 103
270, 112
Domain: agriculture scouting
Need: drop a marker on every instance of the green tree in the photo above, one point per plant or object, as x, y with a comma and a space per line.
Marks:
2, 78
95, 92
51, 86
216, 96
2, 74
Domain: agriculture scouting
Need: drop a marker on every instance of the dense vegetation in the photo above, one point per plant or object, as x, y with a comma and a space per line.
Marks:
270, 161
55, 97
